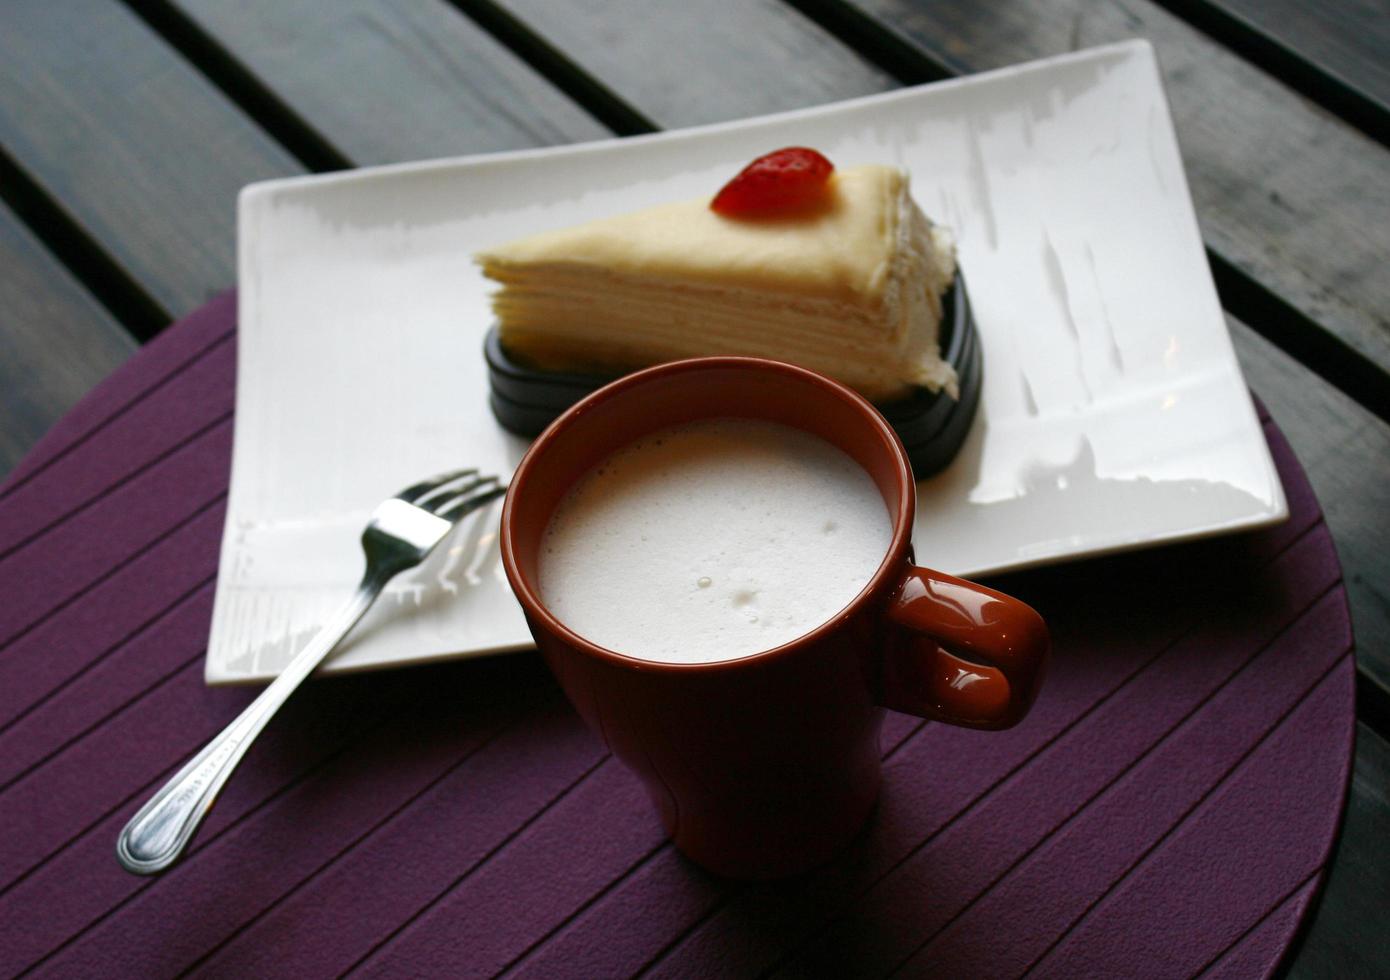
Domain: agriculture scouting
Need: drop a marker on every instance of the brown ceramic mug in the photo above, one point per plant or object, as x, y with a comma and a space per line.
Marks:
768, 764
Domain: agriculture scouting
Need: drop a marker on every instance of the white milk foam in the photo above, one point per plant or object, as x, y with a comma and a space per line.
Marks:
712, 541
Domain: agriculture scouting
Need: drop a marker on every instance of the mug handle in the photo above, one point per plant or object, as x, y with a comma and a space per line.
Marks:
961, 653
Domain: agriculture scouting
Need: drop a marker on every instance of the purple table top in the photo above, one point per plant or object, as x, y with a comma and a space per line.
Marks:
1168, 809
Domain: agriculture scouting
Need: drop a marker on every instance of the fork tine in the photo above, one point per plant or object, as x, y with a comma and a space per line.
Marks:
456, 508
437, 500
425, 487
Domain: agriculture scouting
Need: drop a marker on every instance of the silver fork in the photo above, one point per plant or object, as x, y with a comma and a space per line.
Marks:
402, 531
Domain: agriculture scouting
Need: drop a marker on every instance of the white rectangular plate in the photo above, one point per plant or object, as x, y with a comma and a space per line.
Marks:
1113, 415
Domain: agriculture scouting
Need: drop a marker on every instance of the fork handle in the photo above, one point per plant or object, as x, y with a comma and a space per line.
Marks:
158, 833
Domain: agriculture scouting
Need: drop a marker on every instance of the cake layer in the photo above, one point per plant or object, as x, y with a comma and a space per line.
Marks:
931, 426
552, 324
851, 289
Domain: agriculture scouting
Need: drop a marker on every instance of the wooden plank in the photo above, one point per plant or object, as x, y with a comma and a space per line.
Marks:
1345, 451
56, 341
1285, 192
1346, 40
385, 83
131, 141
1346, 937
700, 61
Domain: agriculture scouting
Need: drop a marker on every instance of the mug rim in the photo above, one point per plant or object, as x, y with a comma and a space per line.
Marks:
528, 593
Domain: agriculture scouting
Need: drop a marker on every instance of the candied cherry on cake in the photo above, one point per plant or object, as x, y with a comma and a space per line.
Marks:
784, 180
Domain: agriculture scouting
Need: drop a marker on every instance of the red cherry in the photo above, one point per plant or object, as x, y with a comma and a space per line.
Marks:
784, 180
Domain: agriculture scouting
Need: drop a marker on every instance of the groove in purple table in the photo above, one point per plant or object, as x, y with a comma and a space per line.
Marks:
1182, 773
